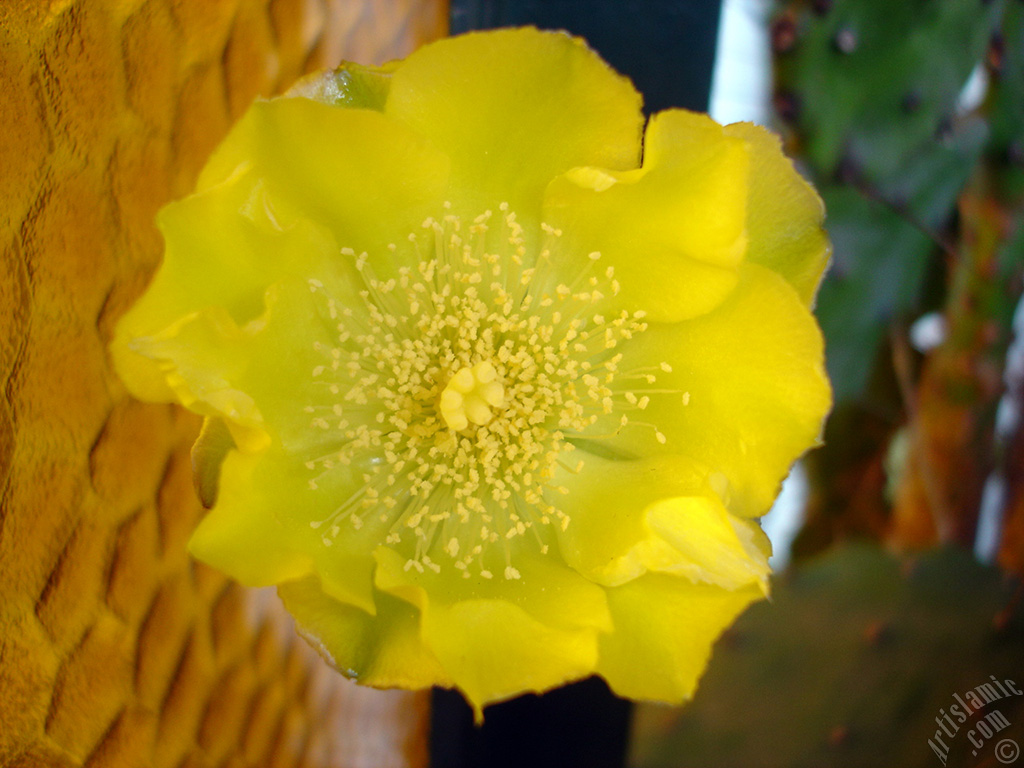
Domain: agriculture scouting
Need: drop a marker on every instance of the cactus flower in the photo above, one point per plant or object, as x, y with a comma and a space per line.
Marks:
497, 380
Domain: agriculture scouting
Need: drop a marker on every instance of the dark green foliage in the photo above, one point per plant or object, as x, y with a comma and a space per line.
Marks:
876, 81
878, 268
850, 665
871, 90
1008, 92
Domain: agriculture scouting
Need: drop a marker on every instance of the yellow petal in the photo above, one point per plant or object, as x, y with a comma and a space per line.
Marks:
271, 359
245, 535
200, 359
371, 191
665, 627
784, 214
656, 514
515, 107
674, 231
606, 505
746, 394
705, 544
383, 651
495, 650
261, 531
545, 588
258, 377
223, 248
499, 637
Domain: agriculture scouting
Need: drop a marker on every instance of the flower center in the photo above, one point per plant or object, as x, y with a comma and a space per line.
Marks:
459, 387
470, 395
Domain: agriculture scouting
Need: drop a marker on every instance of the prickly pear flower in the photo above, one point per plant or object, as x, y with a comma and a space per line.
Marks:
496, 380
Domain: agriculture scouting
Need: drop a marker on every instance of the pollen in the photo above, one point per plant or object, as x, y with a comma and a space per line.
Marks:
456, 386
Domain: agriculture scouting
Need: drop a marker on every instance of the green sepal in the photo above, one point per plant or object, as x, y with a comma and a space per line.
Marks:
208, 454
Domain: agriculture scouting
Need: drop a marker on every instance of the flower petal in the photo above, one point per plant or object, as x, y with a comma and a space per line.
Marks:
500, 637
258, 379
784, 214
606, 503
383, 651
223, 248
751, 375
547, 589
201, 360
705, 543
665, 629
515, 107
218, 369
674, 230
494, 650
245, 535
374, 191
262, 532
656, 514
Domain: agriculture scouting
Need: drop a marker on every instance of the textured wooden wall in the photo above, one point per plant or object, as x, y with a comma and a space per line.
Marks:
115, 648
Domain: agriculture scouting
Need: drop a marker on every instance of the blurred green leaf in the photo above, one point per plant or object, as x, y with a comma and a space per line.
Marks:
884, 76
879, 264
1008, 87
876, 84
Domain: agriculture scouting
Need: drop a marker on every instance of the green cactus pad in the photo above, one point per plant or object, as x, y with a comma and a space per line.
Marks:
850, 665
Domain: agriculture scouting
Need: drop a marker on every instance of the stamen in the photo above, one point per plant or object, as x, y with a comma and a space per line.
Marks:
458, 386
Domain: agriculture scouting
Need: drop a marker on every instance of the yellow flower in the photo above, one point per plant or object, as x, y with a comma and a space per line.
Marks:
497, 404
